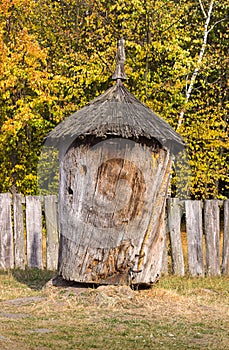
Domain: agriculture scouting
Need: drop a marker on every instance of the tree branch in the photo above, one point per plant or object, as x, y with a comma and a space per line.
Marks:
202, 8
221, 20
196, 70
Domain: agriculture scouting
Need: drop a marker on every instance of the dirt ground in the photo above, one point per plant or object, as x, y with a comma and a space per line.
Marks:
176, 313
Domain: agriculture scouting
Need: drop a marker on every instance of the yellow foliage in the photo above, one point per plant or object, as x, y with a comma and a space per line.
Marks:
56, 56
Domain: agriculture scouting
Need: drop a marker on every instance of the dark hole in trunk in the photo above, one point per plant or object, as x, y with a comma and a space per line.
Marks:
70, 191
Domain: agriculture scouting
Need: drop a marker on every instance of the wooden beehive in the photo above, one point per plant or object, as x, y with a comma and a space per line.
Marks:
114, 177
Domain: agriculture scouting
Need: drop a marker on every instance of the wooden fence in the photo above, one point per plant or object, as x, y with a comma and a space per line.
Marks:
197, 235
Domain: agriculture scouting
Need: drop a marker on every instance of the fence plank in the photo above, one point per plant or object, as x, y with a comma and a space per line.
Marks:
212, 230
19, 241
52, 235
164, 269
174, 227
34, 231
9, 256
225, 263
194, 230
6, 232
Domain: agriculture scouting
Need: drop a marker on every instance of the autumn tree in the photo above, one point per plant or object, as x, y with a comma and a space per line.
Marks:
203, 119
58, 55
23, 92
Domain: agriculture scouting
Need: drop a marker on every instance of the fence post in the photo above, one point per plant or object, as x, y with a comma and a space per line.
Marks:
19, 245
174, 226
225, 263
194, 229
211, 230
52, 236
6, 232
164, 269
34, 231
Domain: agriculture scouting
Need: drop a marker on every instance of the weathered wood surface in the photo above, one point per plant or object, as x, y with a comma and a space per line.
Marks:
6, 232
15, 254
19, 241
34, 231
119, 113
165, 261
52, 235
225, 262
194, 231
212, 231
111, 215
174, 210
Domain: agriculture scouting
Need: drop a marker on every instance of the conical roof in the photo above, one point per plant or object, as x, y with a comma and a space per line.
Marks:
117, 112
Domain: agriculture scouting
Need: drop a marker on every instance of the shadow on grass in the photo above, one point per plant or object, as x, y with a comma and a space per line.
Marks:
34, 278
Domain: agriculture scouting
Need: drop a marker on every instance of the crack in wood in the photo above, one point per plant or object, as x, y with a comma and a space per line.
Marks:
111, 212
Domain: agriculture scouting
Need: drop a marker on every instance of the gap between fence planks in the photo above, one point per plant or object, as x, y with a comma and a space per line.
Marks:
24, 246
26, 221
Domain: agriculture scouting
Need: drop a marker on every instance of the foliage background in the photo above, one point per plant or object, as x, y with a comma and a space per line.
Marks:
58, 55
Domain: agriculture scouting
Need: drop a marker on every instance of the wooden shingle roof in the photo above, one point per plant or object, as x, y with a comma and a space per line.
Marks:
117, 112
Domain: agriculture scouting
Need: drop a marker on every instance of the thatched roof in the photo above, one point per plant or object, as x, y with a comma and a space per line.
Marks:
118, 113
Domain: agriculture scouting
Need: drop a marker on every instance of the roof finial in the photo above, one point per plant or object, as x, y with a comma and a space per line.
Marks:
120, 60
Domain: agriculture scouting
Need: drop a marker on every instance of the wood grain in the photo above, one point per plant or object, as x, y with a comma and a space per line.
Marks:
195, 236
6, 232
112, 203
52, 234
19, 231
225, 262
174, 226
212, 231
34, 231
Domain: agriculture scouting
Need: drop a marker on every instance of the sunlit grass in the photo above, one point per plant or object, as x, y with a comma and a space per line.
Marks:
177, 313
21, 283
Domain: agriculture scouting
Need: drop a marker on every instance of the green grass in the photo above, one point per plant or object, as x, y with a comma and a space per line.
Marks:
190, 285
21, 283
177, 313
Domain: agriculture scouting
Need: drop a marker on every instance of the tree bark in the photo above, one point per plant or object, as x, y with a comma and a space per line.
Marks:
198, 65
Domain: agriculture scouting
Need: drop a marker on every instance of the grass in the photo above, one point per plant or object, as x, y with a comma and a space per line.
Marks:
177, 313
